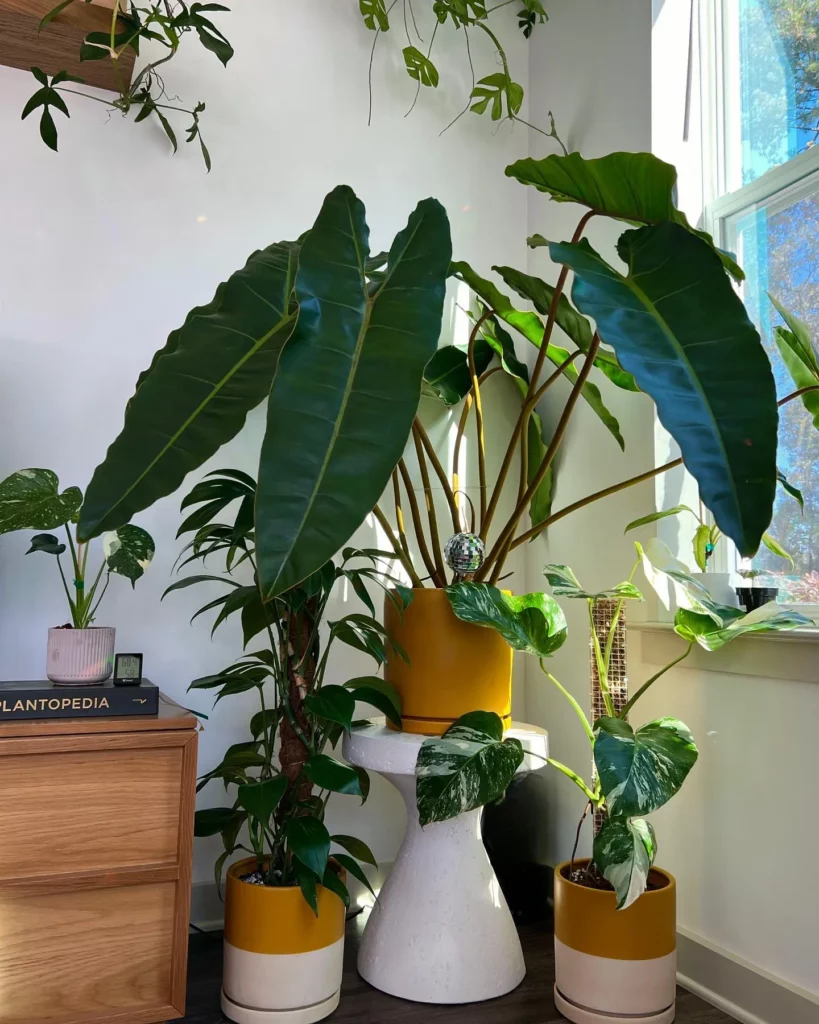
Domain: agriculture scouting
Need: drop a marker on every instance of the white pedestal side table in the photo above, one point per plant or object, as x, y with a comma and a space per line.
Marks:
441, 931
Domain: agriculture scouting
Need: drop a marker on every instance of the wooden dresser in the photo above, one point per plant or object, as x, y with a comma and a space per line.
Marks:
96, 837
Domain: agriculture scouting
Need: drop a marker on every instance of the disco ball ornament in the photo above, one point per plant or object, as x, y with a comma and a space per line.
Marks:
464, 554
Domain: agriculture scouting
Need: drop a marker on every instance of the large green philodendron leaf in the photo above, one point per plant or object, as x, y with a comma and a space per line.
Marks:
469, 766
624, 850
640, 771
799, 356
662, 570
128, 551
348, 385
634, 187
30, 499
565, 584
198, 390
532, 623
679, 327
770, 618
577, 327
532, 327
447, 376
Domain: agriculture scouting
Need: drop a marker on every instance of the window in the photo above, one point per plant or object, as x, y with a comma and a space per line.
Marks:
759, 71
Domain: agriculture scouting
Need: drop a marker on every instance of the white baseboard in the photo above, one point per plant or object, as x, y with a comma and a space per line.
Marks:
741, 989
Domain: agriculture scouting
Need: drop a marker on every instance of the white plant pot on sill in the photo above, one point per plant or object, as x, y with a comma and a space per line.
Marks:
80, 656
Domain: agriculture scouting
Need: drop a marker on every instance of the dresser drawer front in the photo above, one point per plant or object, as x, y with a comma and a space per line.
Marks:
94, 808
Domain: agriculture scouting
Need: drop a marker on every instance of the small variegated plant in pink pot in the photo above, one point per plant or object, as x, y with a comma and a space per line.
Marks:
79, 653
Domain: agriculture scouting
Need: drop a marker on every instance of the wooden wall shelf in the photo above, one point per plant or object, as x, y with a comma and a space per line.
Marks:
58, 45
96, 817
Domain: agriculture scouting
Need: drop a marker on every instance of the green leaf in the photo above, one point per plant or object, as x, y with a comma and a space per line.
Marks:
333, 703
357, 847
198, 390
420, 67
567, 318
532, 327
497, 89
679, 327
773, 545
53, 13
307, 883
377, 698
264, 720
662, 570
533, 623
565, 584
640, 771
46, 542
327, 773
40, 75
309, 840
446, 375
332, 882
352, 374
624, 851
655, 516
30, 499
261, 798
355, 870
374, 13
371, 683
634, 187
770, 618
128, 551
702, 540
467, 767
799, 356
190, 581
789, 487
212, 820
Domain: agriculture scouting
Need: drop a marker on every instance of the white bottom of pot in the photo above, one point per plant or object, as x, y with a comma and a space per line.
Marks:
582, 1015
302, 1015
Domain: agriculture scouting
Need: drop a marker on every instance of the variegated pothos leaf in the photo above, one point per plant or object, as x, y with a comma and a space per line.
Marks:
565, 584
640, 771
467, 767
624, 850
128, 551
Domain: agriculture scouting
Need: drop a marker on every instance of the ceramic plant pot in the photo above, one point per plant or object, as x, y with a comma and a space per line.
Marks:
454, 667
282, 964
80, 657
751, 598
615, 966
718, 585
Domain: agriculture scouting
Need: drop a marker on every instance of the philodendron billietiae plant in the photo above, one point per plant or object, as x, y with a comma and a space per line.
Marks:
30, 499
638, 770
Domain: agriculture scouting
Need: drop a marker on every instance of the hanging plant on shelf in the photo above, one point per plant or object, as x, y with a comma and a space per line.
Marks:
497, 94
164, 23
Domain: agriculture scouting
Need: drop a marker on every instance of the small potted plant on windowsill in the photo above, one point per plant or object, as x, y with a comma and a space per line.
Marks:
78, 652
752, 595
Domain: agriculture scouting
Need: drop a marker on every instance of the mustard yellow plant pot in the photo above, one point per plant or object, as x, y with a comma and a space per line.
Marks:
454, 667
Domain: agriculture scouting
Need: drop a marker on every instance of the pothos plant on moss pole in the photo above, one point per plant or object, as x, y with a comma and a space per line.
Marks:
162, 25
30, 499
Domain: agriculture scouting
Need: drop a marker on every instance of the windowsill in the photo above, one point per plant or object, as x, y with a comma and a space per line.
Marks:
753, 654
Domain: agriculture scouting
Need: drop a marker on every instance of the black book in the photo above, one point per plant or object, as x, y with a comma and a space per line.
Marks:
44, 699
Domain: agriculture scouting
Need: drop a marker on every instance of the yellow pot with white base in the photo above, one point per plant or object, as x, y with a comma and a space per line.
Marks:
282, 963
615, 966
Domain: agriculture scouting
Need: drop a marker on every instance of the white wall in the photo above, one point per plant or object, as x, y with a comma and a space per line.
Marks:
109, 243
743, 828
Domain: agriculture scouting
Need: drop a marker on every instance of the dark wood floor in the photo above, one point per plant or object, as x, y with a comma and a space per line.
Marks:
531, 1003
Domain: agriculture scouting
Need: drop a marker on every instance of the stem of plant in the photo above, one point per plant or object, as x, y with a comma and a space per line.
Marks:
601, 665
440, 472
429, 496
569, 775
476, 391
418, 525
577, 837
650, 682
399, 515
575, 705
459, 434
399, 554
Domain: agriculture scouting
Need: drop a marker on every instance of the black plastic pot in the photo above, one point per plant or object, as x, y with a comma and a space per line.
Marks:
754, 597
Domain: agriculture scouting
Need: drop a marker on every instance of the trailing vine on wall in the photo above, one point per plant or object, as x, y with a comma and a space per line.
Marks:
164, 23
497, 94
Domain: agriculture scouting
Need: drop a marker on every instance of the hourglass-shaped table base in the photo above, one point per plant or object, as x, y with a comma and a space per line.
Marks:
441, 931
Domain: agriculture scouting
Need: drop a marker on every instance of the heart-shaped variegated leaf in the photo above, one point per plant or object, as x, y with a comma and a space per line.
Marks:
128, 551
565, 584
467, 767
624, 850
664, 571
640, 771
30, 499
532, 623
770, 618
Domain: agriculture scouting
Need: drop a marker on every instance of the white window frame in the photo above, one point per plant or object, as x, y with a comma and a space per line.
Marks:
777, 188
